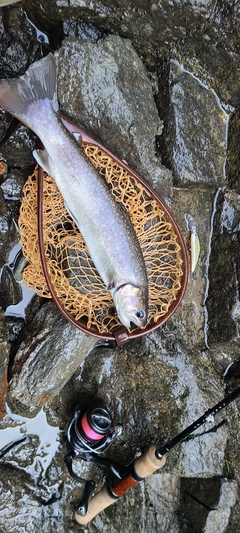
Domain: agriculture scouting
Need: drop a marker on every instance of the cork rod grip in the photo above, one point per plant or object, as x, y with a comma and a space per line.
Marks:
143, 466
148, 463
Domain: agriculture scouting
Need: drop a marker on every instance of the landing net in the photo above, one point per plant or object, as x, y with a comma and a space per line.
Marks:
74, 278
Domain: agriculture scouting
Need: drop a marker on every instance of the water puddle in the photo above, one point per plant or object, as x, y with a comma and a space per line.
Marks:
14, 263
20, 426
18, 310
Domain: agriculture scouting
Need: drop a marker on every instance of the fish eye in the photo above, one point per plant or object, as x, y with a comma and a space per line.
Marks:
141, 314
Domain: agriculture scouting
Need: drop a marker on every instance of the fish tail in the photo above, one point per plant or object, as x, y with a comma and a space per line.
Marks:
38, 83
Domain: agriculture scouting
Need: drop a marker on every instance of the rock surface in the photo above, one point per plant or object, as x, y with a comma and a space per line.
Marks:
94, 88
49, 338
202, 35
190, 118
122, 71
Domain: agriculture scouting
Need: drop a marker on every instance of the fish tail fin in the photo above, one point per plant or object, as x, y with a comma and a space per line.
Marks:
38, 83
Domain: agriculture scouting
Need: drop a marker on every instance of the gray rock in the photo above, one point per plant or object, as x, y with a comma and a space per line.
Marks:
8, 232
223, 300
198, 126
17, 150
201, 35
218, 519
162, 493
51, 351
159, 385
233, 163
163, 391
26, 515
13, 184
18, 49
94, 90
190, 319
18, 44
10, 290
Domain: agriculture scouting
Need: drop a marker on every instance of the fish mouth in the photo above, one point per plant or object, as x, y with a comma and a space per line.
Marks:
131, 321
125, 320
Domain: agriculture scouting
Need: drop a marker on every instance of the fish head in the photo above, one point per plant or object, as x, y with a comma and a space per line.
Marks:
131, 303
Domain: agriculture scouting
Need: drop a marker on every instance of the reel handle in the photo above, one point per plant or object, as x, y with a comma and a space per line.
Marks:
82, 506
141, 468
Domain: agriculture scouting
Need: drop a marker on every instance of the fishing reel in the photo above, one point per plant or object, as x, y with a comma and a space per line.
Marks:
90, 434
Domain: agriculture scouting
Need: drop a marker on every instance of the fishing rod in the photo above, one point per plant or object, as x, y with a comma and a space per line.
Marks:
145, 465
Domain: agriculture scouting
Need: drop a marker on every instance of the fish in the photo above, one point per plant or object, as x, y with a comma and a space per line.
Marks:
103, 222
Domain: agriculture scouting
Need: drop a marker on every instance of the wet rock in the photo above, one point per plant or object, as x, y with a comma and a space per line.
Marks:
5, 121
190, 320
232, 470
18, 43
203, 36
50, 352
159, 385
198, 498
8, 232
4, 358
162, 493
17, 150
10, 289
33, 514
196, 125
94, 90
6, 476
206, 504
13, 183
164, 390
233, 158
222, 302
81, 30
19, 47
218, 519
223, 298
15, 326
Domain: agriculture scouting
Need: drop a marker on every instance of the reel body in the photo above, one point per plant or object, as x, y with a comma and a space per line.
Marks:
90, 434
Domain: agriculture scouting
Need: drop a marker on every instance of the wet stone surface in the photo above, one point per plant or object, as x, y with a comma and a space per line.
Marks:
94, 88
33, 384
225, 262
154, 84
194, 112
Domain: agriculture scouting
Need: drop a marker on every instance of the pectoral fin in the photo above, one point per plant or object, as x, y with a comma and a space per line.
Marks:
43, 160
111, 286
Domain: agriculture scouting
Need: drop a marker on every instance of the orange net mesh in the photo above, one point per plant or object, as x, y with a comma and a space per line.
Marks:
74, 278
